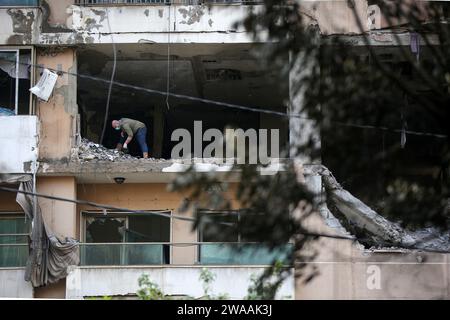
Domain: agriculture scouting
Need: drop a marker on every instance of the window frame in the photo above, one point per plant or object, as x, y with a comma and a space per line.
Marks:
17, 49
14, 215
212, 212
37, 5
118, 214
123, 214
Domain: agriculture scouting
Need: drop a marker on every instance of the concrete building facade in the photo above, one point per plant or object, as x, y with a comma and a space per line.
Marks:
192, 48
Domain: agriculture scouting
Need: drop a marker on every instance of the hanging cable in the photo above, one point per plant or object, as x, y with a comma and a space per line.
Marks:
113, 73
165, 214
156, 213
236, 106
168, 59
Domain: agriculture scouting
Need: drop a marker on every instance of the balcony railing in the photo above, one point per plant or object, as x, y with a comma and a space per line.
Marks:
13, 255
160, 2
121, 254
142, 253
211, 253
243, 254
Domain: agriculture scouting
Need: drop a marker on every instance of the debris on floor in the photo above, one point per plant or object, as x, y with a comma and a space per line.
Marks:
377, 230
88, 151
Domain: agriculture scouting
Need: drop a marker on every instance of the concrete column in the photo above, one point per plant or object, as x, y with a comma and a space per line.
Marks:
300, 128
182, 232
59, 114
60, 216
158, 132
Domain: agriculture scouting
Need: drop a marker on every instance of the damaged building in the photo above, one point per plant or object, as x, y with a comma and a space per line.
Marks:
169, 61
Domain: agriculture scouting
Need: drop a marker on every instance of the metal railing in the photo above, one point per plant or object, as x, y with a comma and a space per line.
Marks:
13, 255
19, 3
243, 254
121, 254
161, 2
209, 253
157, 253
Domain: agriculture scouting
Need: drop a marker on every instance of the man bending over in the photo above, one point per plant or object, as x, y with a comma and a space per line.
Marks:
131, 128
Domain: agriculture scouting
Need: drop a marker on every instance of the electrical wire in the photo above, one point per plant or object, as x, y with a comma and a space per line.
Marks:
167, 215
156, 213
97, 205
113, 73
236, 106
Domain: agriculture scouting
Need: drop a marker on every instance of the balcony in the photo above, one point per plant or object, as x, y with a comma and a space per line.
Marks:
176, 281
140, 253
19, 140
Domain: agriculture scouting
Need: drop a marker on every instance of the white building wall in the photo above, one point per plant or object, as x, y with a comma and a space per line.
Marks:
19, 26
13, 285
115, 281
19, 143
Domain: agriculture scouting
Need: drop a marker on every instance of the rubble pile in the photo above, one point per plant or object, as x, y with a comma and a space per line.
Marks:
89, 150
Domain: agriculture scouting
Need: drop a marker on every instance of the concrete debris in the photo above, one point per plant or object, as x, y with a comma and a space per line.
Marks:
89, 151
376, 230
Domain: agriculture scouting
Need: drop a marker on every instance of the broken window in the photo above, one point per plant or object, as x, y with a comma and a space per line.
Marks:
14, 235
15, 75
125, 239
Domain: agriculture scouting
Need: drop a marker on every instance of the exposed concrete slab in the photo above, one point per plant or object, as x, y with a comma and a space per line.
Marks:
135, 171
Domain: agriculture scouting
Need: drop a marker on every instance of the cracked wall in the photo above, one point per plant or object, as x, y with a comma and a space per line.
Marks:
58, 115
19, 26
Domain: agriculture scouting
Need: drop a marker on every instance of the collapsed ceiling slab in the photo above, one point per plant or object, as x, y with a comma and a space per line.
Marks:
372, 228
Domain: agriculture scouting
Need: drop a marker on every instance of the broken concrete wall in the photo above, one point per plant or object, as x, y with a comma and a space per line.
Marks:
347, 271
19, 26
378, 20
340, 17
61, 22
58, 116
55, 15
335, 17
137, 24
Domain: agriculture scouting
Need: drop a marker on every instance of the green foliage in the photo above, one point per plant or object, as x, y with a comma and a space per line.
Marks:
362, 99
266, 286
99, 298
207, 278
149, 290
